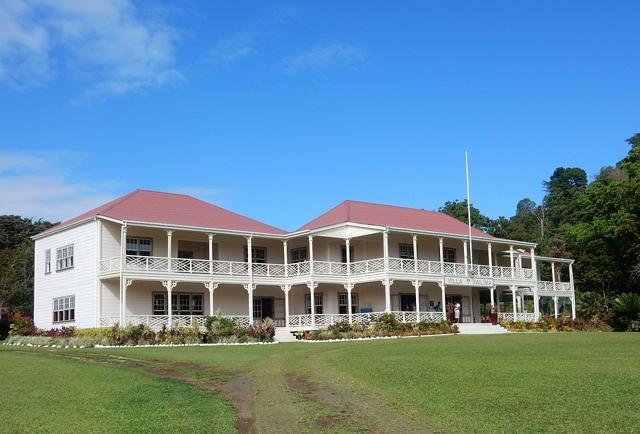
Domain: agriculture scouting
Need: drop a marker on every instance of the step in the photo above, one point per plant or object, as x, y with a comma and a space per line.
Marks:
480, 329
284, 334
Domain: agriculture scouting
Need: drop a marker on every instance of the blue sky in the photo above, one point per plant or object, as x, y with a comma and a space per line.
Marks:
280, 110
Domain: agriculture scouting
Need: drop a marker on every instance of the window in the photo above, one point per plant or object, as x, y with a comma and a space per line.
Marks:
159, 303
318, 303
298, 255
64, 257
64, 309
343, 254
181, 304
405, 251
343, 306
47, 261
449, 255
258, 255
139, 246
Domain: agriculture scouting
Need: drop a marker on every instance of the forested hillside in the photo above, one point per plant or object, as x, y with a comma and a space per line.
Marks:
597, 223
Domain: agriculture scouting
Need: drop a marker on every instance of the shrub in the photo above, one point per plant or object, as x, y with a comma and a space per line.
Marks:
626, 309
21, 325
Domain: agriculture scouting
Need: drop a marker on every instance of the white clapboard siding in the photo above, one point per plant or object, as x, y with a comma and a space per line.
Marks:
79, 280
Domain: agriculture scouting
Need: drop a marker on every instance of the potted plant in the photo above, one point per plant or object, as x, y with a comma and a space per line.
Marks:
493, 315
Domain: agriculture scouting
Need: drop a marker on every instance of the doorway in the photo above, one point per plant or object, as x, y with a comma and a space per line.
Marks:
263, 308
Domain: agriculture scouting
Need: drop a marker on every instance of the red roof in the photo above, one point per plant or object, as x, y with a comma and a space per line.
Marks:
172, 209
392, 216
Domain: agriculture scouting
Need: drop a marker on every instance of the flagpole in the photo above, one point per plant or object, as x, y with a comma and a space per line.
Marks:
466, 163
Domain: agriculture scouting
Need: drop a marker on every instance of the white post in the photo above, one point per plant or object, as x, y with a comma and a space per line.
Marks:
311, 255
169, 235
441, 243
210, 253
553, 275
444, 301
286, 289
347, 243
555, 306
249, 288
211, 286
124, 303
466, 261
493, 298
490, 264
285, 254
311, 285
536, 303
169, 284
513, 299
123, 263
511, 262
387, 289
416, 284
349, 287
415, 253
534, 265
573, 291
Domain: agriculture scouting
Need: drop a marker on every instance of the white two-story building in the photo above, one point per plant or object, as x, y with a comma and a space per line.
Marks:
169, 259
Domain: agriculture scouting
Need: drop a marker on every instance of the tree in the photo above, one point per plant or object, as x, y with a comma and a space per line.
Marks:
16, 261
458, 209
563, 191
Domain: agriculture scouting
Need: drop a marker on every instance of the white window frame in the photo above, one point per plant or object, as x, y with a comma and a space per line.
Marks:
449, 254
343, 302
299, 254
64, 309
318, 303
258, 255
176, 308
137, 250
47, 261
405, 251
64, 257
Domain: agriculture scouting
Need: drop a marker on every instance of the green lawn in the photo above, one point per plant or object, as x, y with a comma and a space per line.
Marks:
565, 382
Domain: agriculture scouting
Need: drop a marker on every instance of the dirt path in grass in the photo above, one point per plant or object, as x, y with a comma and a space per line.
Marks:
272, 397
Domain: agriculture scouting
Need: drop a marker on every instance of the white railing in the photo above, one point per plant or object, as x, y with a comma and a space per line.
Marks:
299, 268
367, 266
156, 322
326, 319
327, 268
520, 316
109, 265
271, 270
551, 286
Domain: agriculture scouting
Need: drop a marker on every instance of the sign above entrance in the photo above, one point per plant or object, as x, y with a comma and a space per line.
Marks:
469, 281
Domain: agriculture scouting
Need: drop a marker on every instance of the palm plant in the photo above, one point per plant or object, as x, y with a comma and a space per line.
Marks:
626, 309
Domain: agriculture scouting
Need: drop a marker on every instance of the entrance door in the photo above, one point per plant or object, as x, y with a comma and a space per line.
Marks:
407, 302
262, 308
484, 296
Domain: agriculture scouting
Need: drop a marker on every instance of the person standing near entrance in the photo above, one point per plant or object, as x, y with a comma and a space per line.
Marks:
457, 311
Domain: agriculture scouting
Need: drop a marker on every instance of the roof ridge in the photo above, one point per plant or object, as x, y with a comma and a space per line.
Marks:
234, 213
119, 200
395, 206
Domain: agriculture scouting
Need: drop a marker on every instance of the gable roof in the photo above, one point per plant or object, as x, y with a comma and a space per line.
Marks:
392, 216
171, 209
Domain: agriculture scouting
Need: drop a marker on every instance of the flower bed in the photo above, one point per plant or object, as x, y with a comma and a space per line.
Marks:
562, 324
385, 326
218, 330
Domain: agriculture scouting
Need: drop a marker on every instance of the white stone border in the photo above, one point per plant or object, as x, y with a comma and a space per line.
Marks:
315, 341
219, 344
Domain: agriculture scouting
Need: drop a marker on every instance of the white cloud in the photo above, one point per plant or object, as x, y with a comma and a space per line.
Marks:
42, 185
114, 46
246, 42
325, 56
